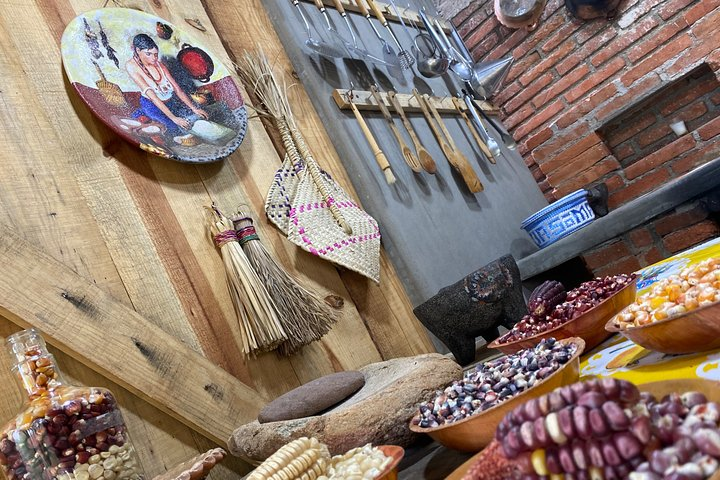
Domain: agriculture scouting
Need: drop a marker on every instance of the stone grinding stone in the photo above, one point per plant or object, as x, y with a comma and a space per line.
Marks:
379, 413
313, 397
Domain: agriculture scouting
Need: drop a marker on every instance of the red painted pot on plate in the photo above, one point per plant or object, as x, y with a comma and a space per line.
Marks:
198, 63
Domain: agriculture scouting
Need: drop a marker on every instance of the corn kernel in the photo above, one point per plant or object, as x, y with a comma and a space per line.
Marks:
538, 462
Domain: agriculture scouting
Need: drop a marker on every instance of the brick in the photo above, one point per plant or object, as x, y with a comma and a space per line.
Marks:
522, 66
576, 164
518, 116
715, 99
696, 157
671, 8
539, 119
538, 36
652, 135
624, 151
538, 139
707, 26
550, 149
710, 129
544, 185
506, 93
537, 174
614, 183
691, 59
594, 79
471, 11
605, 254
691, 112
549, 196
686, 96
655, 159
581, 109
625, 131
620, 103
528, 93
629, 17
561, 33
587, 49
485, 46
638, 187
590, 30
652, 256
641, 49
548, 62
482, 31
510, 42
587, 177
682, 218
472, 23
562, 156
641, 237
626, 265
698, 233
625, 40
702, 8
561, 85
659, 57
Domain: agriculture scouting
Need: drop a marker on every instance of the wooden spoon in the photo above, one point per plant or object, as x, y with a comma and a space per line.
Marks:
408, 155
456, 159
426, 159
484, 148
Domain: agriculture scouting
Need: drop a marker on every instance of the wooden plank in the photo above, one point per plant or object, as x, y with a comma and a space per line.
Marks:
408, 15
88, 324
364, 101
383, 309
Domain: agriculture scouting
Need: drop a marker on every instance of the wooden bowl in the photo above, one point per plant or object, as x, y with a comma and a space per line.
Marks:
692, 332
590, 326
474, 432
397, 453
659, 389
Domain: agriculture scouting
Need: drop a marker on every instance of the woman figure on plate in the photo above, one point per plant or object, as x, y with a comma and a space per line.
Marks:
161, 98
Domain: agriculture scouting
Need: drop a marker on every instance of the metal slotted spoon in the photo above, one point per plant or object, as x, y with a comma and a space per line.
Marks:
406, 59
354, 47
317, 46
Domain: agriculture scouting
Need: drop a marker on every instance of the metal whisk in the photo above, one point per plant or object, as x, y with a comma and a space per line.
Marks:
405, 58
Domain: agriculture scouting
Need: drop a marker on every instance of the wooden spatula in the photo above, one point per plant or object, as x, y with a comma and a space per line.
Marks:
456, 159
408, 155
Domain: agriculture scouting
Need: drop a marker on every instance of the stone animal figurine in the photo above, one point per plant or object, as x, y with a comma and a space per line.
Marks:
475, 306
589, 9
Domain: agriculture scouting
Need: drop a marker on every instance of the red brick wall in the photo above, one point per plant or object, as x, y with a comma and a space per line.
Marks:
571, 79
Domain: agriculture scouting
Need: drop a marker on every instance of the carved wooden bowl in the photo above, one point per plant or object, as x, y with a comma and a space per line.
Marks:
691, 332
396, 453
474, 432
590, 326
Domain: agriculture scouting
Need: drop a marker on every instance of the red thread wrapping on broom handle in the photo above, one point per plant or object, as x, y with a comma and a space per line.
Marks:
225, 237
246, 234
317, 178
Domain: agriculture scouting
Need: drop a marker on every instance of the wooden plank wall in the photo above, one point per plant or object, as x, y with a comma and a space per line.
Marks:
134, 225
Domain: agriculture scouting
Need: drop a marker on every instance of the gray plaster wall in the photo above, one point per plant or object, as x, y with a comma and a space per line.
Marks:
434, 230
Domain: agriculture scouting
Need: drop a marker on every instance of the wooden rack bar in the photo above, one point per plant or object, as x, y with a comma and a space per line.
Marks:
364, 101
407, 14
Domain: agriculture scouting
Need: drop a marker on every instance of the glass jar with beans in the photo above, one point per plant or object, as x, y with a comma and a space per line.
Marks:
62, 432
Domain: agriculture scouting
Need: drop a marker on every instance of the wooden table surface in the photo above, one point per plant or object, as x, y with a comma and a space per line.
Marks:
132, 225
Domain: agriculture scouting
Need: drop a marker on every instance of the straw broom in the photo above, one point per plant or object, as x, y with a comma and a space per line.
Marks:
260, 327
304, 316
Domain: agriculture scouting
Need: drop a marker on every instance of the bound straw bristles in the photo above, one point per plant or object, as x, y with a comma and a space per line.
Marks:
260, 326
305, 317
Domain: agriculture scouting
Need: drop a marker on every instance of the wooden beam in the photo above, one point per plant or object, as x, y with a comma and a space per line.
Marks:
408, 14
83, 321
365, 101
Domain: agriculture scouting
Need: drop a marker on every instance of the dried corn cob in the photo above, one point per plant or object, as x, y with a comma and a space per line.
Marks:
301, 459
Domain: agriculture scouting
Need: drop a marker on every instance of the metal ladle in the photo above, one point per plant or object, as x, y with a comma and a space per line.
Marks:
430, 66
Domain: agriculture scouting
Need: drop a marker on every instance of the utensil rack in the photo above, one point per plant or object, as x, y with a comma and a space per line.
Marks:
407, 14
364, 101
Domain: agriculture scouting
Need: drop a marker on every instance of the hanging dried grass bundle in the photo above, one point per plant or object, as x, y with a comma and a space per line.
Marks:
260, 327
304, 316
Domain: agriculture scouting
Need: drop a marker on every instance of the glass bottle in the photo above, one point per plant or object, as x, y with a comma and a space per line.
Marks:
63, 432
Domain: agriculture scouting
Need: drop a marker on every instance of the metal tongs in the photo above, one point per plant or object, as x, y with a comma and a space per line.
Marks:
477, 121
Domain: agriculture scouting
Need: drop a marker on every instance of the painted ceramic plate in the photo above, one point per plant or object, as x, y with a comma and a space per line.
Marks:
154, 85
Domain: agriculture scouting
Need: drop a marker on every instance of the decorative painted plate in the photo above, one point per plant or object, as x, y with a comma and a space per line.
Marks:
154, 85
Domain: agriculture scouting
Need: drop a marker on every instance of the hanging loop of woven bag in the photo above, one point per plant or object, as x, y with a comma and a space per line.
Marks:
314, 171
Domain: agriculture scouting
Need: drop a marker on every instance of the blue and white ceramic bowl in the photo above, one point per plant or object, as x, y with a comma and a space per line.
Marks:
559, 219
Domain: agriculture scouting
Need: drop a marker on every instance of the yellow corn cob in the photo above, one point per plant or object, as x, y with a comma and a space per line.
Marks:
301, 459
